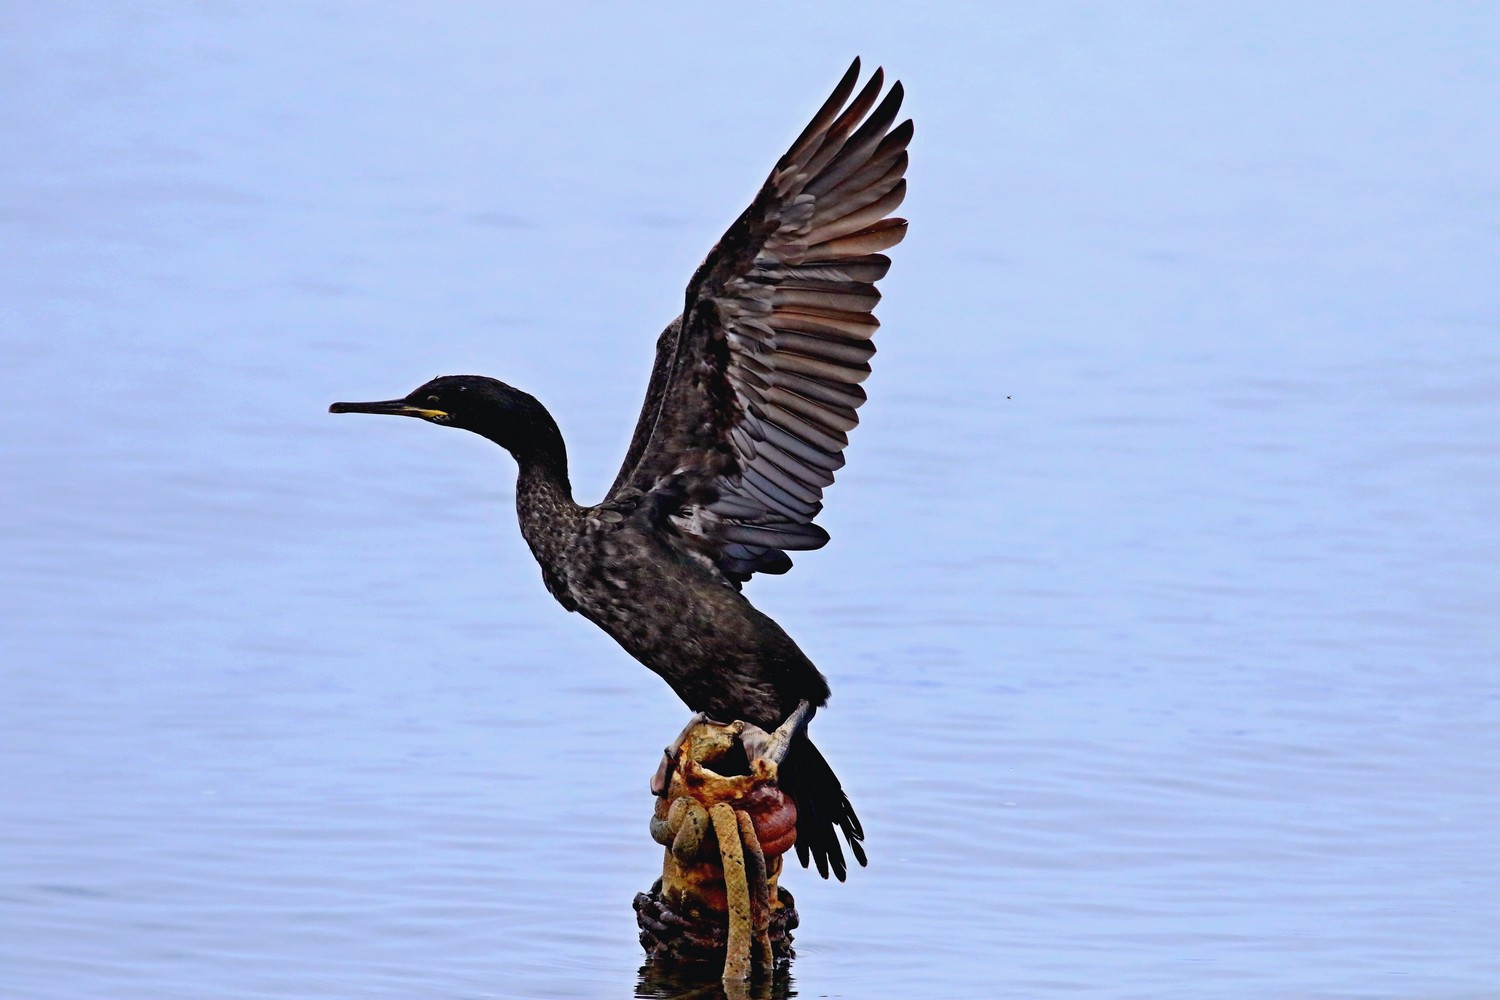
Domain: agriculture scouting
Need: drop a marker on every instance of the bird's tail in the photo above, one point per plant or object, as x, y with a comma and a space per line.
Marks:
822, 810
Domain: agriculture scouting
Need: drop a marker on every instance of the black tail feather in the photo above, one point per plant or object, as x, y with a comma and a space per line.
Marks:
822, 809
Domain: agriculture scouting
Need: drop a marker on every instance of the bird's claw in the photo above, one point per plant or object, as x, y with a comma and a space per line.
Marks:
662, 779
758, 743
774, 746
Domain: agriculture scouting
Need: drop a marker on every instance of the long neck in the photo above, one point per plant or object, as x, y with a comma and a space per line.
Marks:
542, 484
544, 496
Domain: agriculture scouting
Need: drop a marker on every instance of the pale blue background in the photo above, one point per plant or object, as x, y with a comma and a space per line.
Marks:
1161, 606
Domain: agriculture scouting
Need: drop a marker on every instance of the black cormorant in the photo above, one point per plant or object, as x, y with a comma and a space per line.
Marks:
752, 395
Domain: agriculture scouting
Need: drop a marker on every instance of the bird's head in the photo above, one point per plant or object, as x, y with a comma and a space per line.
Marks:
486, 406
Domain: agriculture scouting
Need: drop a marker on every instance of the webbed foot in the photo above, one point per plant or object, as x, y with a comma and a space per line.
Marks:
663, 776
774, 746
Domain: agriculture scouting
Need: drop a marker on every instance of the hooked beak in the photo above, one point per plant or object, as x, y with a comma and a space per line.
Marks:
399, 407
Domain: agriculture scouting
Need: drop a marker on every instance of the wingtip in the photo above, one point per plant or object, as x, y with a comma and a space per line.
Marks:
848, 80
825, 115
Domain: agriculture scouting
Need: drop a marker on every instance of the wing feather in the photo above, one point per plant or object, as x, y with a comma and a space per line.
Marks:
756, 384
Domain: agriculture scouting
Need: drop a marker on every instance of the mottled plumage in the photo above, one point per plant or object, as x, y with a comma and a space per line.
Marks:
752, 395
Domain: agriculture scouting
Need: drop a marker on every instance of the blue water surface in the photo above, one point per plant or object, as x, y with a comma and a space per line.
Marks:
1161, 607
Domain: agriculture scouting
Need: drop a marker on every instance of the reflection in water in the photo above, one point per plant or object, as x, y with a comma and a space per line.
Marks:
658, 982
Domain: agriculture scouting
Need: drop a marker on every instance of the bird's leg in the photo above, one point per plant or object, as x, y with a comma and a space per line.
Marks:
756, 741
774, 746
663, 776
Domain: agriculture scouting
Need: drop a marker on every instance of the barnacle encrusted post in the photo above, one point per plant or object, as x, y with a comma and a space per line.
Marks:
725, 824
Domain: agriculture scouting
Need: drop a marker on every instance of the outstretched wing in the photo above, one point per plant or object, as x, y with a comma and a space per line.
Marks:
757, 382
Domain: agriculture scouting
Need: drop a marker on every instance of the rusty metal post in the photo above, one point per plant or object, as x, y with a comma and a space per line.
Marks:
725, 825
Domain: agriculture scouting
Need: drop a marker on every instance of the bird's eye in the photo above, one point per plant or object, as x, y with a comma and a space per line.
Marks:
433, 400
